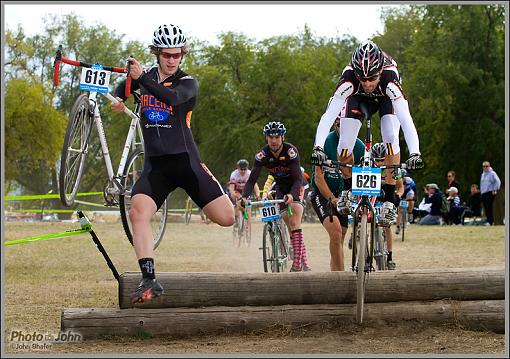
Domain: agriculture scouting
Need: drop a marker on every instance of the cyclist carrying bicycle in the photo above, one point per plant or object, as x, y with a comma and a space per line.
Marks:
370, 79
172, 160
282, 160
327, 186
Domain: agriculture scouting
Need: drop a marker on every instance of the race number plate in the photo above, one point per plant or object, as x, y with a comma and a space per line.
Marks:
403, 203
366, 181
95, 79
269, 213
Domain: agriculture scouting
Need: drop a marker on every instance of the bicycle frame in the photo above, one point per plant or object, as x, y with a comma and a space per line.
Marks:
134, 128
130, 142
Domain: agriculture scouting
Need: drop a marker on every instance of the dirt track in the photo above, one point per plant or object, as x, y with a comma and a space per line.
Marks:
70, 273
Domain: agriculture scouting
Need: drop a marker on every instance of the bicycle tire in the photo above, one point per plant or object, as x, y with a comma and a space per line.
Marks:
361, 274
134, 166
283, 249
74, 150
267, 249
189, 210
403, 222
240, 231
247, 232
380, 249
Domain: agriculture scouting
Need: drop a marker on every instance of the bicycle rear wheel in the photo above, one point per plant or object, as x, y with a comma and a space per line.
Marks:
132, 172
361, 274
74, 151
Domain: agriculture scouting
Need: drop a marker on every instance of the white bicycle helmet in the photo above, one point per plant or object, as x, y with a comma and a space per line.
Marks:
168, 36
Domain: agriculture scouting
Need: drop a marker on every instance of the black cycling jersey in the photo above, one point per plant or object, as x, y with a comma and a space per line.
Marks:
166, 108
285, 169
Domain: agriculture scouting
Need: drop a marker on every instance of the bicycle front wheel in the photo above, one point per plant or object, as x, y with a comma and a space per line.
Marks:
269, 250
404, 222
380, 249
361, 275
187, 214
132, 172
74, 151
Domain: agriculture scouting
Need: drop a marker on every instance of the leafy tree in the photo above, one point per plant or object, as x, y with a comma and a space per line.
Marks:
33, 135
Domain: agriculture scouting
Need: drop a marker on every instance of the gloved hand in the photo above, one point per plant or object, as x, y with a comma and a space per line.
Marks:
242, 202
414, 162
318, 156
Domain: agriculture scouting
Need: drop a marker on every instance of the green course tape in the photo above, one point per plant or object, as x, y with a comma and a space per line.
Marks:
48, 236
46, 196
47, 210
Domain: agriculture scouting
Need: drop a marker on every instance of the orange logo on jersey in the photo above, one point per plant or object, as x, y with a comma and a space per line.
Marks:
167, 83
282, 158
188, 119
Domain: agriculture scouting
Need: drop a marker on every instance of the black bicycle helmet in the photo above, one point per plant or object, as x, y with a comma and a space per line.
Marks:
242, 164
378, 150
274, 129
367, 60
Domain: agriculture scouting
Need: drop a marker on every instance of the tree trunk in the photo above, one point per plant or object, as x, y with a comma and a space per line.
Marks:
262, 289
178, 322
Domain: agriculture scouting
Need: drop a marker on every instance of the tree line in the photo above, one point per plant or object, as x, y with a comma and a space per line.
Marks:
451, 59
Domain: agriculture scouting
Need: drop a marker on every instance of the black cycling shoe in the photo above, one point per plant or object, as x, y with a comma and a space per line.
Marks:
147, 290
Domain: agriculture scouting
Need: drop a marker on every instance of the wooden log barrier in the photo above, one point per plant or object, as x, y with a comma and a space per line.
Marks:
99, 322
262, 289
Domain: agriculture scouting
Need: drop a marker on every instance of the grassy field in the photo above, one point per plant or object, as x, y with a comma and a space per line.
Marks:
42, 278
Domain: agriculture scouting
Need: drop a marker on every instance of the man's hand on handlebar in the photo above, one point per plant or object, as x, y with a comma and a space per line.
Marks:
288, 199
135, 71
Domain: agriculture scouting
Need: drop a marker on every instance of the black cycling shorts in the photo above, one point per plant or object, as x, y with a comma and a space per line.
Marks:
323, 210
381, 104
282, 190
161, 175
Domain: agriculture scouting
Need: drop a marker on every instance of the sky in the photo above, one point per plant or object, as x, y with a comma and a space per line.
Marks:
206, 21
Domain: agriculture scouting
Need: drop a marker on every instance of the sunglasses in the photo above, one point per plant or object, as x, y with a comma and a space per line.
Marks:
368, 79
168, 56
379, 159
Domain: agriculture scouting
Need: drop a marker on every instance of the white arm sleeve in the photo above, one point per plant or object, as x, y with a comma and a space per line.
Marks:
333, 110
401, 108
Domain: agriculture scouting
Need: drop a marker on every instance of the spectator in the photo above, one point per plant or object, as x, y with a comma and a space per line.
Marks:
455, 208
452, 182
434, 198
489, 187
473, 206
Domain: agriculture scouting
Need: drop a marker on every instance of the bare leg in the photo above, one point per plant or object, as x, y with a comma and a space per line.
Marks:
142, 209
336, 242
220, 211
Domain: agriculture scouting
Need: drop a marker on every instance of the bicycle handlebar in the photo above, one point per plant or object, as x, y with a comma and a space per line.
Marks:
59, 58
338, 164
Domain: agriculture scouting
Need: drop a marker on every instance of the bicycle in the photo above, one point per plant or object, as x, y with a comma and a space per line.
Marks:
188, 210
241, 231
403, 205
85, 111
366, 185
276, 250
